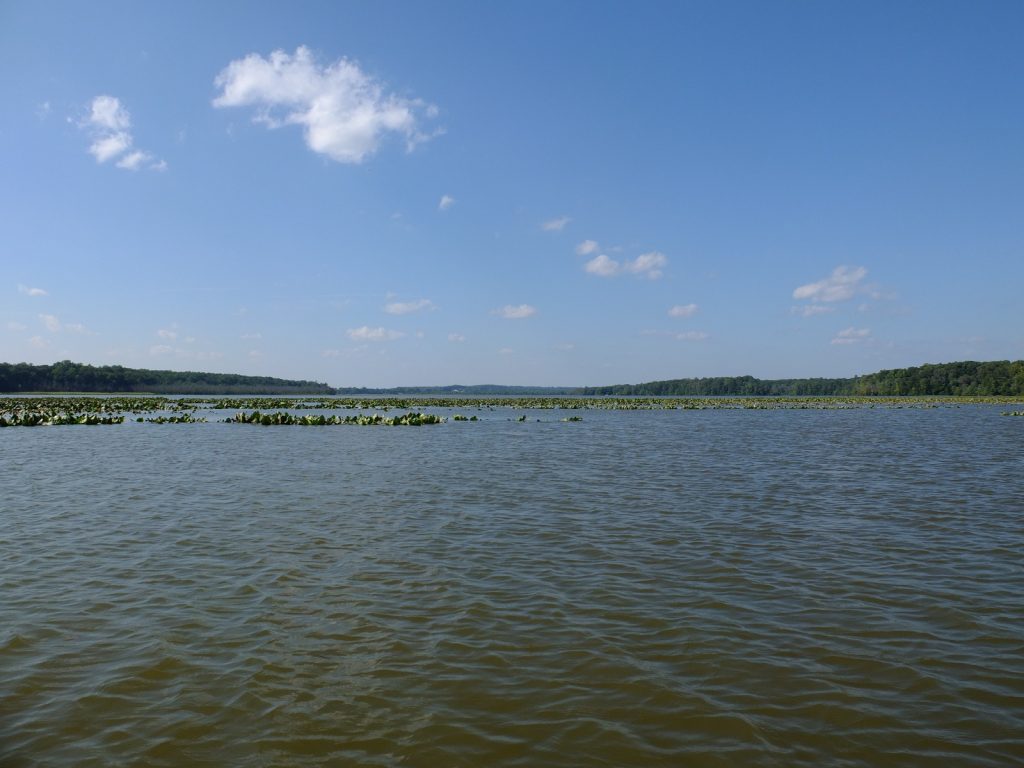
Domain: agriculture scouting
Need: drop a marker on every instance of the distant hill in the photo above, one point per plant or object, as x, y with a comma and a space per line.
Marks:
66, 376
1001, 377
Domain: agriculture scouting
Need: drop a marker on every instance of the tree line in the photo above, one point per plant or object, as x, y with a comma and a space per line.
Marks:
1000, 377
67, 376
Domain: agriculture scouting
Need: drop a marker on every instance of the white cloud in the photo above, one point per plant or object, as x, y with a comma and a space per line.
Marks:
344, 111
108, 113
165, 333
810, 310
602, 266
647, 264
39, 342
692, 336
852, 335
841, 285
160, 349
108, 147
31, 291
51, 322
586, 248
76, 328
683, 310
555, 225
134, 160
506, 351
404, 308
331, 353
447, 201
255, 354
513, 312
456, 338
109, 123
15, 326
366, 333
247, 336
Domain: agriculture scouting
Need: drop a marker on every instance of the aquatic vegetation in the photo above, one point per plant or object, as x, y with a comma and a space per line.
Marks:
1012, 413
185, 418
280, 418
573, 418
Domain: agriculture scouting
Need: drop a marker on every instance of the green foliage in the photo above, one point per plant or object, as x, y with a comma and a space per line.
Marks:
66, 376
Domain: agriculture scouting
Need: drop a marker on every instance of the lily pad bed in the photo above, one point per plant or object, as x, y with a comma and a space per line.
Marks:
99, 410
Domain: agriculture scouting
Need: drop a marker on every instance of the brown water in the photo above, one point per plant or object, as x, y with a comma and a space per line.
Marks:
780, 588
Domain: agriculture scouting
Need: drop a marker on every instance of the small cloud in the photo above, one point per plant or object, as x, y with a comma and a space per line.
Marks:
31, 291
420, 335
365, 333
647, 264
51, 322
852, 336
331, 353
456, 338
109, 123
810, 310
344, 112
841, 285
586, 248
76, 328
513, 312
405, 308
555, 225
14, 326
38, 342
692, 336
255, 354
166, 333
683, 310
253, 336
565, 347
447, 201
43, 110
602, 266
160, 349
506, 351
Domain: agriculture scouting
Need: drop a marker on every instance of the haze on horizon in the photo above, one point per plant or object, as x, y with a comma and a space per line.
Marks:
573, 194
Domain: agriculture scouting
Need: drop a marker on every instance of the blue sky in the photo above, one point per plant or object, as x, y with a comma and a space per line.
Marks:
526, 193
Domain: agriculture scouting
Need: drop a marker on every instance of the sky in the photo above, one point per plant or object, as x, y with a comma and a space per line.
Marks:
571, 193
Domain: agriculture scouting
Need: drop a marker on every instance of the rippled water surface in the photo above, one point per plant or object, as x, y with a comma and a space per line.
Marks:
678, 588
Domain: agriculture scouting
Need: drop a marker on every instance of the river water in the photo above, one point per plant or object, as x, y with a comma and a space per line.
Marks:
677, 588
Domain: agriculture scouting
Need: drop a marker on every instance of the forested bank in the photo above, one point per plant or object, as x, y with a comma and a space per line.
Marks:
1000, 377
66, 376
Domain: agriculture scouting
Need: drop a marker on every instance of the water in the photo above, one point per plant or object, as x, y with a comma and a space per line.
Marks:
771, 588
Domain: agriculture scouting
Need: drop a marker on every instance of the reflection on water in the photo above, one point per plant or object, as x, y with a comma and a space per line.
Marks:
668, 588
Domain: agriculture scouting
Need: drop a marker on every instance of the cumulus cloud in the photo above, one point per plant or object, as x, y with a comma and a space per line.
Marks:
366, 333
447, 201
513, 312
407, 307
602, 266
810, 310
586, 248
842, 284
647, 265
51, 322
344, 112
555, 225
456, 338
683, 310
166, 333
110, 124
31, 291
852, 335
